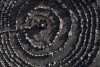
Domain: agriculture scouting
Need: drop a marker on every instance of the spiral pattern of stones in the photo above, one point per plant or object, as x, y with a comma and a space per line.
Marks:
71, 38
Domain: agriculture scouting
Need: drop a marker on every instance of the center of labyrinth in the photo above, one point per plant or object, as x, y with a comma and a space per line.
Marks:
41, 33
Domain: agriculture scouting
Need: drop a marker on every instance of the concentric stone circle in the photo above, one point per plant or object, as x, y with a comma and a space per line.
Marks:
71, 38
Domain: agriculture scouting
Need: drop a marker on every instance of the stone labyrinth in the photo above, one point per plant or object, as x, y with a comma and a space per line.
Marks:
49, 33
